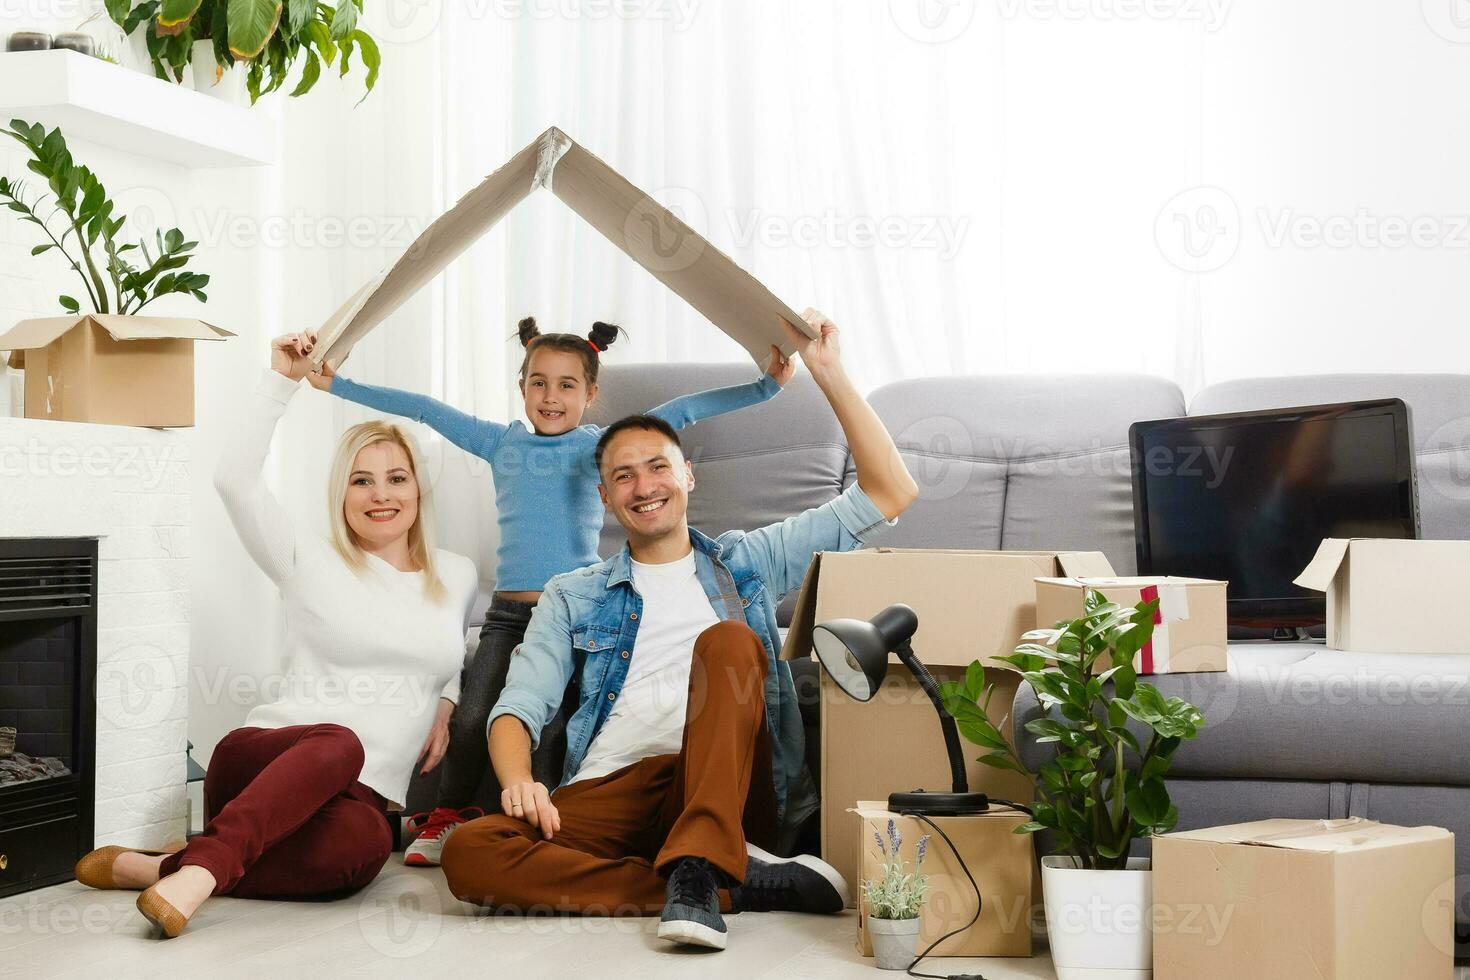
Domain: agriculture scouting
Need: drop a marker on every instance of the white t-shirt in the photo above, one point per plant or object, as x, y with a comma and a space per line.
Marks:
648, 717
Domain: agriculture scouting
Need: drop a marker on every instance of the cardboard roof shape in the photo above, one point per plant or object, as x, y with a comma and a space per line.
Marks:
650, 234
40, 332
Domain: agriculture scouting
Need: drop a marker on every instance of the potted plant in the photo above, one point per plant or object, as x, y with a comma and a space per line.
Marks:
269, 37
86, 232
894, 903
1103, 789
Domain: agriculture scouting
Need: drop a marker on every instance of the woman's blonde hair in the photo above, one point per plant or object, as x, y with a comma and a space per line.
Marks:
420, 535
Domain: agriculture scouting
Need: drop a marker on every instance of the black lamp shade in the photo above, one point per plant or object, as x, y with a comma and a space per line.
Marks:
854, 652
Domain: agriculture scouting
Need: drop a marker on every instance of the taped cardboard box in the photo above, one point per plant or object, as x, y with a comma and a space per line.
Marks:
1000, 859
970, 604
1392, 596
650, 234
116, 370
1285, 899
1189, 625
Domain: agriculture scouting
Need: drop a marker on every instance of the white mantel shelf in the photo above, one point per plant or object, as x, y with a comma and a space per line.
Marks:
110, 105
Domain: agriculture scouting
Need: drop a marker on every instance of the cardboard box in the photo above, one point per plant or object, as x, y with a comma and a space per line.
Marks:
1001, 861
970, 604
117, 370
1189, 625
1285, 899
650, 234
1392, 596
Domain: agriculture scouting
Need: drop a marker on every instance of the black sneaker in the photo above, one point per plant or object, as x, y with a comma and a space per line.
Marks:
797, 884
692, 909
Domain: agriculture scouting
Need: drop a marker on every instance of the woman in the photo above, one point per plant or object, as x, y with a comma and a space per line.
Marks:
296, 799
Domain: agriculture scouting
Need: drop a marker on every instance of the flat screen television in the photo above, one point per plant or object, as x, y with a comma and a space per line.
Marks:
1247, 497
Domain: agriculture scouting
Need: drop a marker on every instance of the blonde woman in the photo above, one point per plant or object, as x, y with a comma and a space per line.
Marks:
296, 799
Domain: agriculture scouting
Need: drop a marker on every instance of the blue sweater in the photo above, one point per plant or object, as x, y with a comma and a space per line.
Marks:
545, 486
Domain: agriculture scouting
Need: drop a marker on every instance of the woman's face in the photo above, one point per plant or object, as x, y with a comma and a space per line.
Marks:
556, 391
382, 501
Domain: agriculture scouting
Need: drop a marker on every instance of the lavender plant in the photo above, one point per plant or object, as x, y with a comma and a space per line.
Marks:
899, 894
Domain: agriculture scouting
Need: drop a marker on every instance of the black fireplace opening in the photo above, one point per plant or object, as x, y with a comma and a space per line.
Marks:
48, 717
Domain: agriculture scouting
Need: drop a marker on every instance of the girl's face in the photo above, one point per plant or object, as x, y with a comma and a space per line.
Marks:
382, 495
556, 391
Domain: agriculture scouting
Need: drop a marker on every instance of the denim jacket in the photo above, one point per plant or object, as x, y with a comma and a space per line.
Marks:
586, 624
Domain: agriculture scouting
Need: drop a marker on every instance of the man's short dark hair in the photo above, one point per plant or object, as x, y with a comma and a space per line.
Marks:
648, 423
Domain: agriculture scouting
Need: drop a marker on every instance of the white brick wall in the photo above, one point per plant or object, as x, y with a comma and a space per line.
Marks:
130, 487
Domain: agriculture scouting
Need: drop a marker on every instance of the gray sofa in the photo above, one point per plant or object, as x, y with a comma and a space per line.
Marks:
1042, 462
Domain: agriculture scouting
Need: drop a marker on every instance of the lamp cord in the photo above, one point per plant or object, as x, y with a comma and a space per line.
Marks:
979, 902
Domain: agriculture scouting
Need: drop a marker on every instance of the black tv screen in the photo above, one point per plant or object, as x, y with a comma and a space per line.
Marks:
1248, 497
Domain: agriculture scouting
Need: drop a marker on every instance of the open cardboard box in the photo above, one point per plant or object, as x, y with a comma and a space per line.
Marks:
971, 605
99, 367
650, 234
1189, 625
1392, 596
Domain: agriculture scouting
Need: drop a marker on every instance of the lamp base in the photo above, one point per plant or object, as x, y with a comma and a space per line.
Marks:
938, 804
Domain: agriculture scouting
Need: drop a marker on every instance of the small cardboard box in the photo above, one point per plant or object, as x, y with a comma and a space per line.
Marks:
1392, 596
1285, 899
971, 605
116, 370
1189, 626
1000, 859
649, 233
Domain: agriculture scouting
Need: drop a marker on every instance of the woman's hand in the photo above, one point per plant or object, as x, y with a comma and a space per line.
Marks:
532, 803
322, 380
438, 739
822, 356
288, 355
782, 368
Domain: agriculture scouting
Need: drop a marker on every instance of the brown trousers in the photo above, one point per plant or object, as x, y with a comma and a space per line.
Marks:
622, 833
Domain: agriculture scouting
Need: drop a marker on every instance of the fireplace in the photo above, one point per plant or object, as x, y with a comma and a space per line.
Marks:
48, 670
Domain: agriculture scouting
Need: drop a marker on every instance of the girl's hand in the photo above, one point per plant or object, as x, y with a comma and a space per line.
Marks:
781, 367
822, 355
288, 354
438, 739
322, 380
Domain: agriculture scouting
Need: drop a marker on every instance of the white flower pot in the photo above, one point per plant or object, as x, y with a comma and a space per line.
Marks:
1099, 923
895, 942
228, 86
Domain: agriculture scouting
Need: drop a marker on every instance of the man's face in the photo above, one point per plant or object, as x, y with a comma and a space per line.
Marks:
645, 484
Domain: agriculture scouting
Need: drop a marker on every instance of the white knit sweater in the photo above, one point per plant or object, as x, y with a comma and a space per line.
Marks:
365, 648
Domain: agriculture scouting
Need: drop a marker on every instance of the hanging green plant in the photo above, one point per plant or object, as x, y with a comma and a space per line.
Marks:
270, 36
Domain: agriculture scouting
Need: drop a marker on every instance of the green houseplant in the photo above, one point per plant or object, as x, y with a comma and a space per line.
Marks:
1104, 788
895, 901
269, 36
79, 223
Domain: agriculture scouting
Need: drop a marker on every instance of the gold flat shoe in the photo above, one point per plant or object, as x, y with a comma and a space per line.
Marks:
167, 921
95, 868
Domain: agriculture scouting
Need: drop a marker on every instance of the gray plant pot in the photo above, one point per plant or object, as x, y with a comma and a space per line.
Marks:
895, 941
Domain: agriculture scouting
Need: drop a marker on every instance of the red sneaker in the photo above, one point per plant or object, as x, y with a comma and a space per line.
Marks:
433, 829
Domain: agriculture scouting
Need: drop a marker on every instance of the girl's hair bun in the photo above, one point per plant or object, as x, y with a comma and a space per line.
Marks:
527, 331
603, 334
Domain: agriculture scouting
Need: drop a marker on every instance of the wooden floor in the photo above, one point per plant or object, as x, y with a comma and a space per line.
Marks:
408, 925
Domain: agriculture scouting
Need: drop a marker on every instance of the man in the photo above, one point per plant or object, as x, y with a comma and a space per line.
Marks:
685, 751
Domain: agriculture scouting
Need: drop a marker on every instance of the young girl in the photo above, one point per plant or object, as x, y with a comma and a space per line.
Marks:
549, 515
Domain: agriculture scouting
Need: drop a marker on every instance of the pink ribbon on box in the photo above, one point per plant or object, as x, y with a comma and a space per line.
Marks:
1153, 657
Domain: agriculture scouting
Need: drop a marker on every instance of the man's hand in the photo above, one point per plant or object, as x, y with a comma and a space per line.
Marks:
438, 738
782, 368
288, 354
321, 380
532, 803
822, 356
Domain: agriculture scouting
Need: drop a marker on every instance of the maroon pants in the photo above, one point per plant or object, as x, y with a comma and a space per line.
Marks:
286, 816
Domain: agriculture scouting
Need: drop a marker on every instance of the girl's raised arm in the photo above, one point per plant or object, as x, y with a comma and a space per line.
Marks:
686, 410
470, 433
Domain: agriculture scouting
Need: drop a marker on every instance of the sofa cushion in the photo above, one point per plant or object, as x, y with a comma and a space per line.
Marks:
1300, 711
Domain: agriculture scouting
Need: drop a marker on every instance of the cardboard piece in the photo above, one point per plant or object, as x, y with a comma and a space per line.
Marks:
110, 369
970, 604
1284, 899
1392, 596
1000, 860
650, 234
1189, 627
